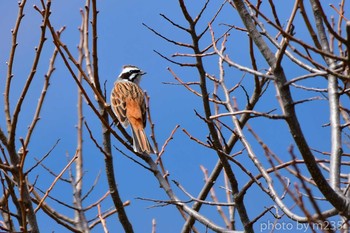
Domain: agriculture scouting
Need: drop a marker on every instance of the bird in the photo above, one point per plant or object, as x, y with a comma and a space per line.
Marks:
129, 106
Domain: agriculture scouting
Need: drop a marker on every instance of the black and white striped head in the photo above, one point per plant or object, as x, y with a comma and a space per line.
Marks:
131, 73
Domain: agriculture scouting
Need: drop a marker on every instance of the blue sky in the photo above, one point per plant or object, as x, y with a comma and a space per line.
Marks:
124, 40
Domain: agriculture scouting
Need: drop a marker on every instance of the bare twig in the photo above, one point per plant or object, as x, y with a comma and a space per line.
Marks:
215, 199
256, 113
154, 225
336, 199
54, 182
103, 222
43, 95
10, 63
171, 137
214, 203
43, 158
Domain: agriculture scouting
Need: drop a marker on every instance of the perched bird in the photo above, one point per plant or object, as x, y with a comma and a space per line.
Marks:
128, 104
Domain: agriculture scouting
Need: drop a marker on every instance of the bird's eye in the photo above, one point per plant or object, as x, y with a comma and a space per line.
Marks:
133, 72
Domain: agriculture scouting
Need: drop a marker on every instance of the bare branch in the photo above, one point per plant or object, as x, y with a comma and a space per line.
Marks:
10, 63
256, 113
103, 222
31, 76
43, 158
54, 182
215, 203
171, 137
337, 200
167, 39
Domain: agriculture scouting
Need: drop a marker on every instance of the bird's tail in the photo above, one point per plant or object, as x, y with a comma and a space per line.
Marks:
141, 143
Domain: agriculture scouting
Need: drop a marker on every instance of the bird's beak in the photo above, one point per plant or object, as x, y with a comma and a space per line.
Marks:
143, 72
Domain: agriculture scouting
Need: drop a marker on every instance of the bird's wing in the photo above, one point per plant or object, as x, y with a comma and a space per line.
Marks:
118, 97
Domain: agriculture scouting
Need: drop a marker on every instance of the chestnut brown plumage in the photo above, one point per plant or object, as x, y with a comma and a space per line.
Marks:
128, 104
